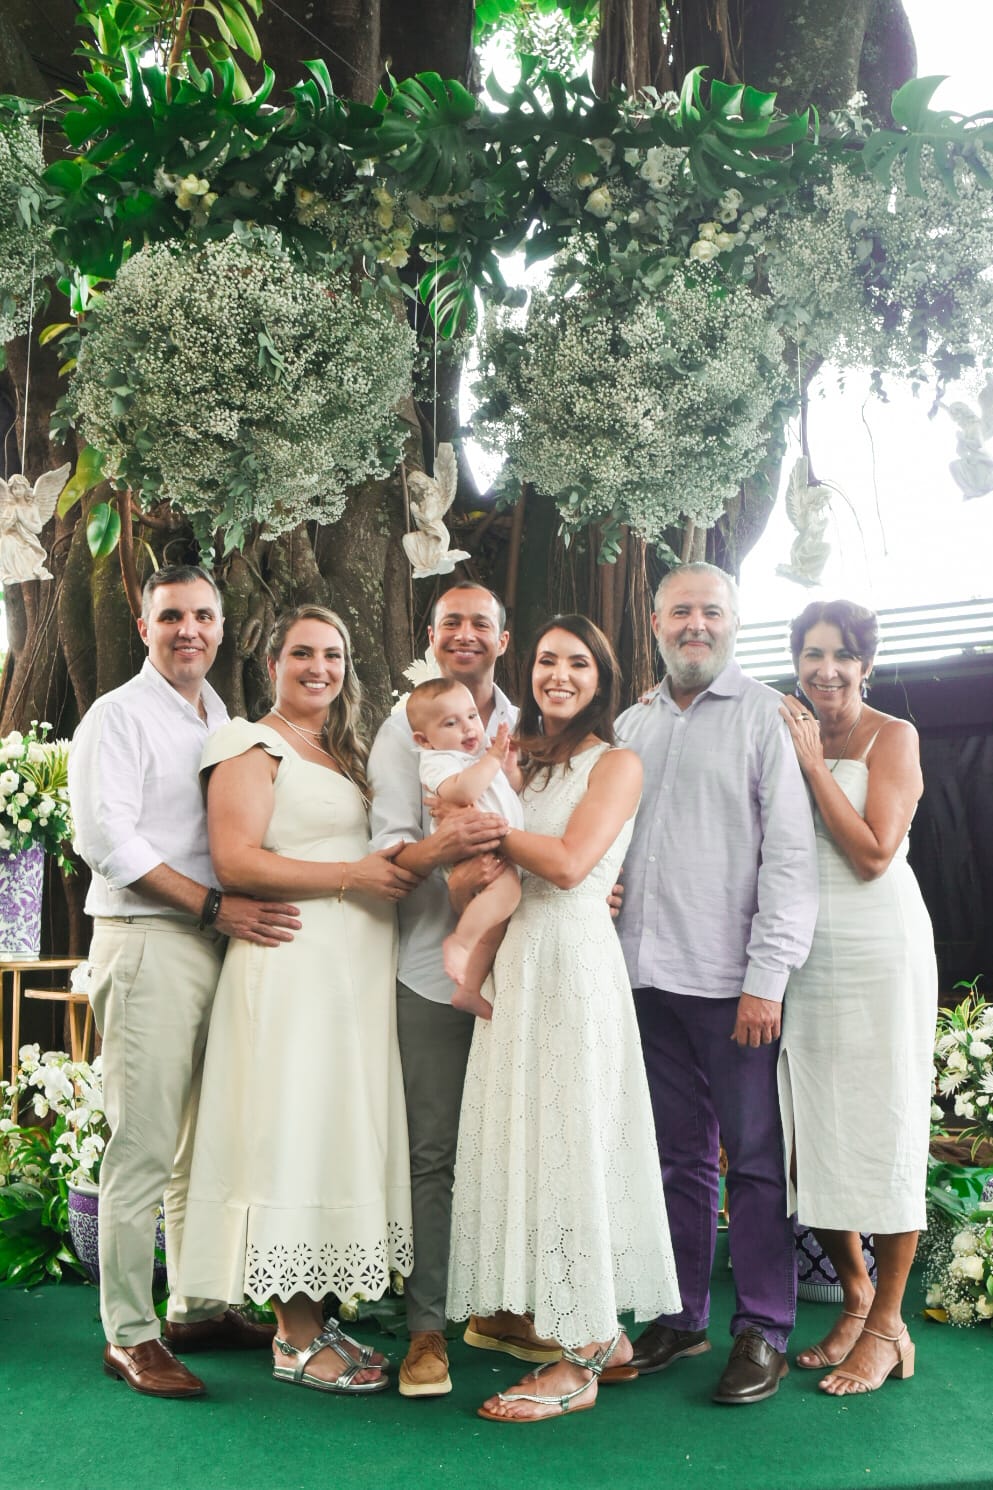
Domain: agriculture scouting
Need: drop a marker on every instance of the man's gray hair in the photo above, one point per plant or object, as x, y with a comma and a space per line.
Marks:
699, 566
177, 574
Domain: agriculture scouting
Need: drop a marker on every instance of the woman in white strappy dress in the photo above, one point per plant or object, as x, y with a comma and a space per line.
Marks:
855, 1067
558, 1208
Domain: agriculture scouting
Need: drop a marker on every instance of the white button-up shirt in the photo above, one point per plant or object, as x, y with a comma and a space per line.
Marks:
398, 811
720, 880
134, 784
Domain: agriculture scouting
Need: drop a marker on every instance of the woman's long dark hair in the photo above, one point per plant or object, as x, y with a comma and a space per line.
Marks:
540, 752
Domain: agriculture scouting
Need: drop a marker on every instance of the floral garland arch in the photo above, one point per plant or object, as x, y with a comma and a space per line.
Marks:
683, 235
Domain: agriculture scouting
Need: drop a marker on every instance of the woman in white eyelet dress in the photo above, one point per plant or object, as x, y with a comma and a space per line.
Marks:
558, 1208
300, 1181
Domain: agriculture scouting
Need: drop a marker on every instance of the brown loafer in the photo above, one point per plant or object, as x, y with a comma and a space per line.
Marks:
512, 1334
231, 1330
660, 1345
753, 1372
152, 1369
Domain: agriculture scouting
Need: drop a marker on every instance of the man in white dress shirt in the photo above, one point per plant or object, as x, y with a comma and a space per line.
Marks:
720, 906
160, 924
468, 635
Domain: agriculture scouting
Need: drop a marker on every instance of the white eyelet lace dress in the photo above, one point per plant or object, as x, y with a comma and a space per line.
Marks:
558, 1207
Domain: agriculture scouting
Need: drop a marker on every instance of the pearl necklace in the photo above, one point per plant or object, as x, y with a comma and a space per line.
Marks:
303, 733
848, 740
317, 734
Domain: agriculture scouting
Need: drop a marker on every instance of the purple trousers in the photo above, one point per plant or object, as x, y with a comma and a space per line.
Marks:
705, 1088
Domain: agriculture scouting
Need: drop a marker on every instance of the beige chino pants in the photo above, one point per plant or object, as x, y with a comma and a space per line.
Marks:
152, 989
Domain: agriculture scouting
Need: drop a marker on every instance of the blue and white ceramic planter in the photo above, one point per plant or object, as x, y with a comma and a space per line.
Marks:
21, 876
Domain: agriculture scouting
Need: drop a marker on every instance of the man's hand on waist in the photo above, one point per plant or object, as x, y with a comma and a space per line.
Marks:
267, 922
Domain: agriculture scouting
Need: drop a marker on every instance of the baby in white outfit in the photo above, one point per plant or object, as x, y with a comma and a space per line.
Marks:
459, 767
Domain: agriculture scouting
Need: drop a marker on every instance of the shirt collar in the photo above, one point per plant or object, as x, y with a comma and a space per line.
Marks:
209, 697
729, 683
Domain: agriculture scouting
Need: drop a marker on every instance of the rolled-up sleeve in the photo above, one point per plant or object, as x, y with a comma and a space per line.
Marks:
787, 895
397, 809
106, 776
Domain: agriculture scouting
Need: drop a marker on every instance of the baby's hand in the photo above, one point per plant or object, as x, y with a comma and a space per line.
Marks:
501, 744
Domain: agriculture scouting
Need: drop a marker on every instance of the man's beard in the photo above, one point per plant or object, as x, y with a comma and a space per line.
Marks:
699, 673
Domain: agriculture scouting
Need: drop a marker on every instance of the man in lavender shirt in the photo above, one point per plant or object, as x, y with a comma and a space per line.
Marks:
720, 906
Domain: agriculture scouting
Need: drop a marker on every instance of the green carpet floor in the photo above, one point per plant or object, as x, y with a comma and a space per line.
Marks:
64, 1424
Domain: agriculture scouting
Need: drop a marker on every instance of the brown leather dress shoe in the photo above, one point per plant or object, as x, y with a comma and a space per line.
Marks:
753, 1372
660, 1345
513, 1334
232, 1330
152, 1369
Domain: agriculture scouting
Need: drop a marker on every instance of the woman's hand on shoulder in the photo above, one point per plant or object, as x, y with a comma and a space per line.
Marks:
377, 875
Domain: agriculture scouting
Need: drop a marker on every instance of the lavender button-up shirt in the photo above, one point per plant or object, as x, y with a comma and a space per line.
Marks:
721, 876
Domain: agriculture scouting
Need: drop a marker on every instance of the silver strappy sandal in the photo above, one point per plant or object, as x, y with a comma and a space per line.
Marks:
345, 1384
594, 1364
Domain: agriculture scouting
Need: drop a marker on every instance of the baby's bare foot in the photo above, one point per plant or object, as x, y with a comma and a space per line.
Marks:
455, 956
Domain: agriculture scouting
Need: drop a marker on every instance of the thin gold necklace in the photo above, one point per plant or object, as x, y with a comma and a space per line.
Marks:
848, 741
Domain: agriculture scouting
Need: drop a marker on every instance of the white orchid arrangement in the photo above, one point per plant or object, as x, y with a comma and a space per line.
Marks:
34, 792
230, 381
963, 1068
67, 1096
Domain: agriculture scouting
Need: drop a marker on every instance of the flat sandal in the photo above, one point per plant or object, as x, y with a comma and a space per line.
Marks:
594, 1364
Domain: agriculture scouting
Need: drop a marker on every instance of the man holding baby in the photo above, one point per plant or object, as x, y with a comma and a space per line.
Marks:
468, 635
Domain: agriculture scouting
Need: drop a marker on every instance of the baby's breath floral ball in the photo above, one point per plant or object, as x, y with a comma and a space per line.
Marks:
24, 247
228, 380
650, 414
877, 276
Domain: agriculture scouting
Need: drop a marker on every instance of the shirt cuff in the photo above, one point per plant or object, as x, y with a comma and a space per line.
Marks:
129, 862
765, 983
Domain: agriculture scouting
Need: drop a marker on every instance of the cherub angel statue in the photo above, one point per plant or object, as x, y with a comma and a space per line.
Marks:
973, 470
808, 508
24, 511
430, 498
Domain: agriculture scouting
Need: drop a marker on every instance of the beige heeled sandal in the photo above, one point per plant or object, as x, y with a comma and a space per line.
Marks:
824, 1361
902, 1368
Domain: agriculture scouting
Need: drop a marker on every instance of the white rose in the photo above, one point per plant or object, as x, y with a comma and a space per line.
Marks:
972, 1267
29, 789
707, 230
965, 1107
703, 249
963, 1242
984, 1307
585, 180
605, 149
727, 214
724, 241
957, 1061
599, 202
25, 825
